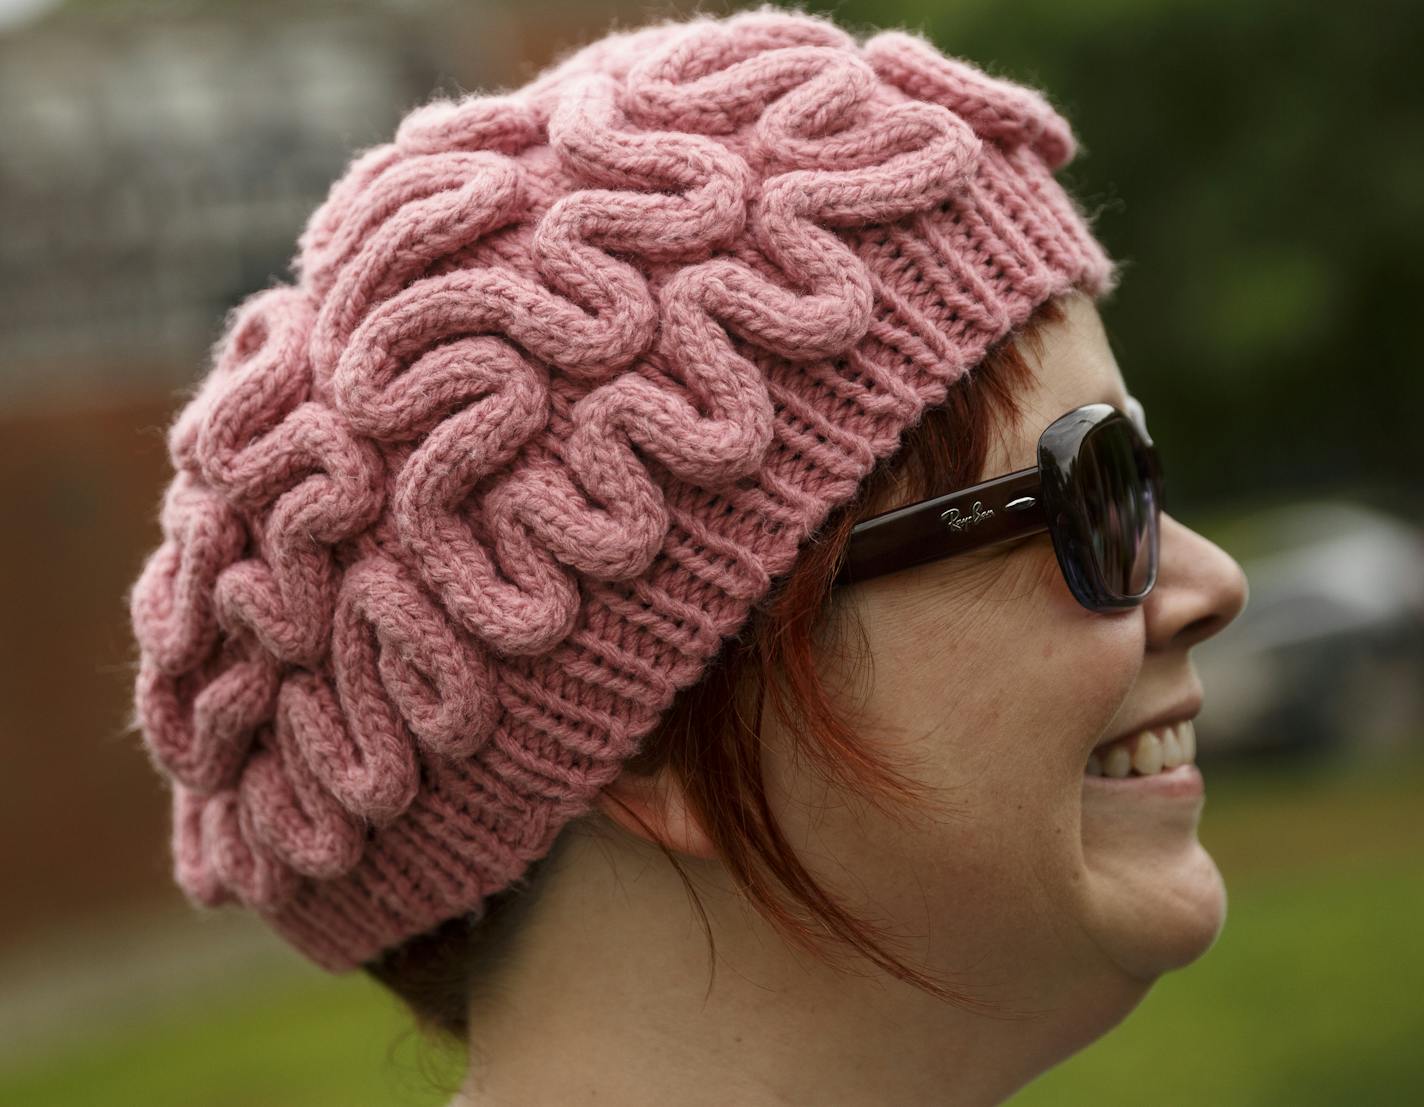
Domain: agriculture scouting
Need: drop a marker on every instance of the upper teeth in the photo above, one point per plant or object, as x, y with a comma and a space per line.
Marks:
1146, 753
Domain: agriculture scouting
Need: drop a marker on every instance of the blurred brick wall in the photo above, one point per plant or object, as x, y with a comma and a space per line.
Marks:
84, 823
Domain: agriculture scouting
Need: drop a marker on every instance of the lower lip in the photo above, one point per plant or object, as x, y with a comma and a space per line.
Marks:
1184, 780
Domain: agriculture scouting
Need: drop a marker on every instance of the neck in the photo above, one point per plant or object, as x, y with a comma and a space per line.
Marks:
606, 999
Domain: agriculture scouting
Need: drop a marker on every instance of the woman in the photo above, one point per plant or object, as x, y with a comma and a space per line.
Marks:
618, 485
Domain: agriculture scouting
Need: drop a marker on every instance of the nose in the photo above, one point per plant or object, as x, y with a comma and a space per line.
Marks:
1200, 588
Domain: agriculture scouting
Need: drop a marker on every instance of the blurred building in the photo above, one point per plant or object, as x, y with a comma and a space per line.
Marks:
157, 169
157, 163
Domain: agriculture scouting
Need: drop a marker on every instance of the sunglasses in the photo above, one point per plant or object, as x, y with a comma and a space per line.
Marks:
1097, 490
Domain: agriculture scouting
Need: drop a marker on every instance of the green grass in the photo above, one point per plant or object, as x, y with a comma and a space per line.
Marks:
288, 1039
1311, 996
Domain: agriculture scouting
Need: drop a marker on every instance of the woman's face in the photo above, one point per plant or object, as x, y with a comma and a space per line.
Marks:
1038, 887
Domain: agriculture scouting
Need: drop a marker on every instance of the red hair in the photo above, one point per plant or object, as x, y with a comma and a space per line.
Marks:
713, 750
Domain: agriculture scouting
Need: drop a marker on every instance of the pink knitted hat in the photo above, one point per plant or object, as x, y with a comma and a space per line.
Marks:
567, 377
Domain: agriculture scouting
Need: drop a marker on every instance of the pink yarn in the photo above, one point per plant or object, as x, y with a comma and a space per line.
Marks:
567, 377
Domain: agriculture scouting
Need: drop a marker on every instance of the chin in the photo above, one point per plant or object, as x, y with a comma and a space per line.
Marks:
1154, 919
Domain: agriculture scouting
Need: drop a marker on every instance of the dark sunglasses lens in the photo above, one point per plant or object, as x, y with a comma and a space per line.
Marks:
1119, 497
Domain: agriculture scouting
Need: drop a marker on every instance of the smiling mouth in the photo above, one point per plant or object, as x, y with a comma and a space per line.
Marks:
1148, 753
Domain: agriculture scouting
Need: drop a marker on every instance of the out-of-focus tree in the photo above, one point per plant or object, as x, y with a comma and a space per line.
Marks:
1260, 167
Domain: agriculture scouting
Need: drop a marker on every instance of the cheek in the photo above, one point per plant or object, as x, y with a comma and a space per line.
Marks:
1083, 665
990, 702
1015, 683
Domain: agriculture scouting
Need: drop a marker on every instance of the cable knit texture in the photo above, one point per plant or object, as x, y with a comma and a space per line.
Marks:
566, 378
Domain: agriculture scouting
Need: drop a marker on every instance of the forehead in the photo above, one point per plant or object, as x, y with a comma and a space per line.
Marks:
1073, 365
1075, 362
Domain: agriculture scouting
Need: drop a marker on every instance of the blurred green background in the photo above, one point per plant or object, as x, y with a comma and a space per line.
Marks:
1257, 165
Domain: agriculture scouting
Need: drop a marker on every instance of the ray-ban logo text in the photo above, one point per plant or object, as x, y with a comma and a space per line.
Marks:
957, 520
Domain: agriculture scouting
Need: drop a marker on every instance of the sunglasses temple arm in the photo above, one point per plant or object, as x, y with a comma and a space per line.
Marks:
997, 510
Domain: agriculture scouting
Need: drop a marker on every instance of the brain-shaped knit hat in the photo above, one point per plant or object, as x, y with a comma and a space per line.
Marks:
565, 379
